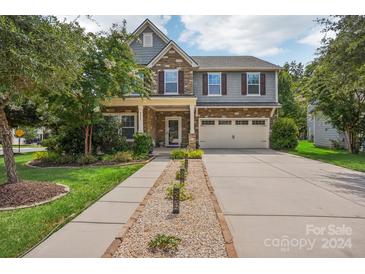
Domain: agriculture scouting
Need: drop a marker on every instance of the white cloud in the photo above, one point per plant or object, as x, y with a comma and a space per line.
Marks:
314, 37
250, 35
104, 22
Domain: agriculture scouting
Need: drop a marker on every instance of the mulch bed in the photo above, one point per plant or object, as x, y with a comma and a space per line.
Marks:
197, 225
37, 163
28, 193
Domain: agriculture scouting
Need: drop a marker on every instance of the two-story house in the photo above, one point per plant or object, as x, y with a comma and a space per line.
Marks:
204, 101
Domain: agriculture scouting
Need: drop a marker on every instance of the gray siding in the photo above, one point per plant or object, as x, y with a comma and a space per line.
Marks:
234, 89
324, 132
144, 55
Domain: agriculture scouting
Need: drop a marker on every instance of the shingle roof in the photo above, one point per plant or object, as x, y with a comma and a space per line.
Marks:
235, 103
233, 62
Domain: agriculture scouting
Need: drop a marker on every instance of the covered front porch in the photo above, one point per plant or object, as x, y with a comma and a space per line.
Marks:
169, 120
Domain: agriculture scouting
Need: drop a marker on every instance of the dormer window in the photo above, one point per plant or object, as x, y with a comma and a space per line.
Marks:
148, 40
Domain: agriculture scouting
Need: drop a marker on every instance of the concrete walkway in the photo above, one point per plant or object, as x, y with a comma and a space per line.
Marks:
90, 233
281, 205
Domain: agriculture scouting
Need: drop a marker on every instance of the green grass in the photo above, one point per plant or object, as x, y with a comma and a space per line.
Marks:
332, 156
21, 229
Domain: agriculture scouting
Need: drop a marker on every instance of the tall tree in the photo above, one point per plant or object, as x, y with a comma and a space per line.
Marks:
39, 57
108, 69
290, 95
336, 81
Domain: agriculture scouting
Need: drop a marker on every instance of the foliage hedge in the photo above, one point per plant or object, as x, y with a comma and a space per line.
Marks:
191, 153
284, 134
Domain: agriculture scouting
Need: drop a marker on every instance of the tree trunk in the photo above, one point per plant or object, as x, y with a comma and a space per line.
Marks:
90, 139
352, 141
86, 149
9, 160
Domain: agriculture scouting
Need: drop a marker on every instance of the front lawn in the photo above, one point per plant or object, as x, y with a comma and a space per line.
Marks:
21, 229
332, 156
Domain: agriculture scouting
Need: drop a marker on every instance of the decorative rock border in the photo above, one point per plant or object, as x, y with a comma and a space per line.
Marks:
67, 189
227, 236
29, 164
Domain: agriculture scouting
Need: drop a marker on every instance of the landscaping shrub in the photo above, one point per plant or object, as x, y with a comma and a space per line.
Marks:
142, 144
106, 136
86, 159
181, 153
177, 176
195, 154
178, 153
51, 157
284, 134
184, 194
164, 242
122, 156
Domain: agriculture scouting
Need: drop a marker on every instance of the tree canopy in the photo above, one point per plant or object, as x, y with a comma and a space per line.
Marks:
335, 83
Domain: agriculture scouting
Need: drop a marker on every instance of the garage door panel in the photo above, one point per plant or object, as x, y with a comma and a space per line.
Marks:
238, 135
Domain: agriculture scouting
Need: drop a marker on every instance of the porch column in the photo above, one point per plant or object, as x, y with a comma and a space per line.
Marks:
140, 119
192, 118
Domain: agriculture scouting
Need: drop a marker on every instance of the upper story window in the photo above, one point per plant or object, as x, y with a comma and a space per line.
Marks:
214, 83
253, 83
148, 39
140, 75
171, 81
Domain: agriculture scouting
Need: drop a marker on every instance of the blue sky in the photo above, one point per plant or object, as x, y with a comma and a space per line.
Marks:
276, 39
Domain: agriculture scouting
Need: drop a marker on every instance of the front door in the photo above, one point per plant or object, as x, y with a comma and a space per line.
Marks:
173, 131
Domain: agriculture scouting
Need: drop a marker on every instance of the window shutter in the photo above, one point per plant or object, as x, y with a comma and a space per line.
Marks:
161, 82
244, 83
224, 84
262, 84
205, 83
181, 82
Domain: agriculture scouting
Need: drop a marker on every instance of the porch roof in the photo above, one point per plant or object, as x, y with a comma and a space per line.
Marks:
152, 101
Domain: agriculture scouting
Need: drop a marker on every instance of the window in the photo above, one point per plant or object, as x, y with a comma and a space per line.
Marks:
171, 81
241, 122
253, 83
214, 84
224, 122
208, 122
128, 125
140, 75
147, 40
258, 122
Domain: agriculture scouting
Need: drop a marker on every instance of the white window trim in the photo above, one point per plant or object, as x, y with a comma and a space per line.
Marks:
220, 83
143, 42
259, 94
177, 82
135, 121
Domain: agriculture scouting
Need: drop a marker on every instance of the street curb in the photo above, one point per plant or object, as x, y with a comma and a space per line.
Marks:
227, 236
113, 247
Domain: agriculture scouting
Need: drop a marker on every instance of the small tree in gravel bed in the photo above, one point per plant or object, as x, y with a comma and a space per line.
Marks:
184, 194
164, 243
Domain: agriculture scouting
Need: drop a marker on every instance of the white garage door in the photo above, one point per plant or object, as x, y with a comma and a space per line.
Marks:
233, 133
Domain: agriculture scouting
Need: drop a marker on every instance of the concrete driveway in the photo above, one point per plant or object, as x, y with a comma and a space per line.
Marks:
281, 205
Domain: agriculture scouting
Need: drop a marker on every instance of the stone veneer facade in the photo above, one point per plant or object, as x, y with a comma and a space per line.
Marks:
154, 121
160, 125
173, 60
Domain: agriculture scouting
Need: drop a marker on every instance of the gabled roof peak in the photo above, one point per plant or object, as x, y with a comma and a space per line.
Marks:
148, 23
170, 45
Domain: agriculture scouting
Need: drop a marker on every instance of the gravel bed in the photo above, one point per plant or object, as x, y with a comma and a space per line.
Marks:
196, 225
28, 193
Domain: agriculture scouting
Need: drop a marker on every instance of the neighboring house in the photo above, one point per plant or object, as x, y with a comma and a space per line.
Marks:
321, 132
205, 101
